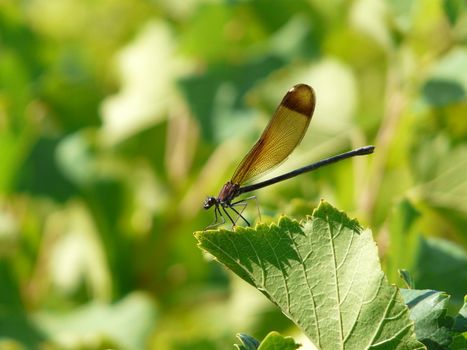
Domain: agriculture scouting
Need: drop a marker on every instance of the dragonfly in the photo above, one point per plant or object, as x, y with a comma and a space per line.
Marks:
281, 136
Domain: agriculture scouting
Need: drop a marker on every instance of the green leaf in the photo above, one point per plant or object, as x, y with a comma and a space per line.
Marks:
403, 237
447, 83
126, 323
440, 169
441, 265
211, 106
407, 278
459, 340
41, 175
453, 8
440, 92
460, 322
248, 342
275, 341
325, 276
15, 323
428, 309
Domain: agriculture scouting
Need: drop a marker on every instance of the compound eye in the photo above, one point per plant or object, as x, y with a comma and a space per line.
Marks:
209, 202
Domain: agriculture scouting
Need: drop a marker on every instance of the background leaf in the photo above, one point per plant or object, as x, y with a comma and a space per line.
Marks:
118, 117
275, 341
428, 309
248, 342
460, 322
453, 9
124, 324
460, 325
442, 265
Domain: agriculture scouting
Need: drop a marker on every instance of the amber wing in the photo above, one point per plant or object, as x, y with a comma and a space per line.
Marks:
283, 133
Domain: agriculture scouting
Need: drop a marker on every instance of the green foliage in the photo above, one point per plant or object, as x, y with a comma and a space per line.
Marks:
460, 327
434, 253
407, 278
460, 322
428, 309
445, 86
118, 117
248, 342
433, 326
453, 9
125, 324
324, 274
14, 320
273, 341
425, 258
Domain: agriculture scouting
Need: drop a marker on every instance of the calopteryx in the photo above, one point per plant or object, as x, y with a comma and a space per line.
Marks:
283, 133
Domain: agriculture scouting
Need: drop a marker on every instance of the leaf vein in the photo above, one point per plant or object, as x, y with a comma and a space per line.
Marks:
233, 259
336, 278
287, 293
388, 306
309, 287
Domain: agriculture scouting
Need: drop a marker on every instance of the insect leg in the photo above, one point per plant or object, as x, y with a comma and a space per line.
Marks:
216, 218
247, 199
243, 204
240, 214
228, 215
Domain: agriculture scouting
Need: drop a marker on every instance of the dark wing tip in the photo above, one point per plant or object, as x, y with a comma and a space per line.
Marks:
301, 98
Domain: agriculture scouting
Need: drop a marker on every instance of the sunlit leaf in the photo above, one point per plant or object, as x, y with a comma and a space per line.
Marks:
442, 169
126, 324
76, 256
324, 274
148, 68
275, 341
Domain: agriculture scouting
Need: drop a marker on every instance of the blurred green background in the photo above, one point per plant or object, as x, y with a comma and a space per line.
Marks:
118, 117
